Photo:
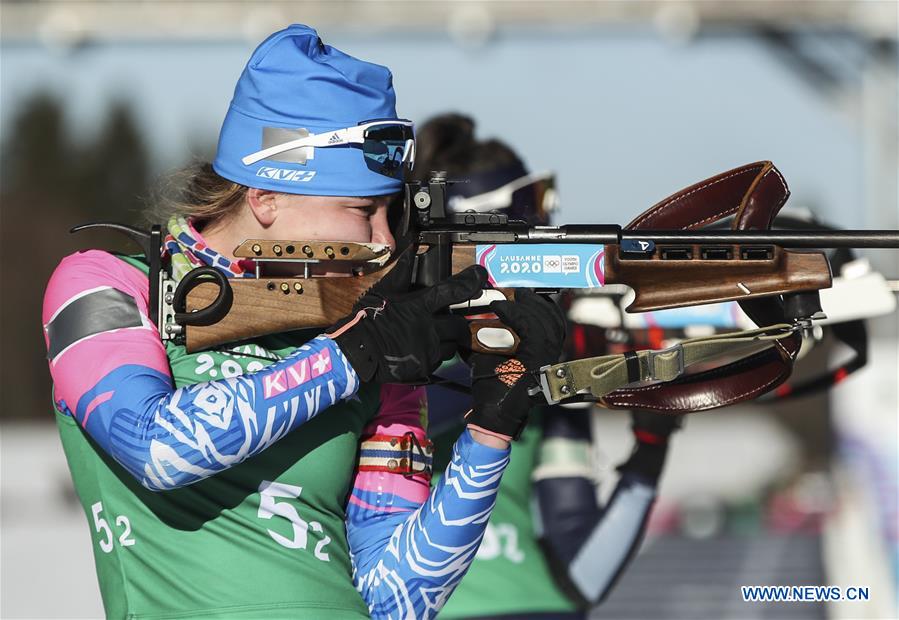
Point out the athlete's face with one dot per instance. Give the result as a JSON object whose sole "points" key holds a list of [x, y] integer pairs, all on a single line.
{"points": [[290, 217], [330, 218]]}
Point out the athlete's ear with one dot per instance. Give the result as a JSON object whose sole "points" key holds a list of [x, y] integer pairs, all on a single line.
{"points": [[263, 205]]}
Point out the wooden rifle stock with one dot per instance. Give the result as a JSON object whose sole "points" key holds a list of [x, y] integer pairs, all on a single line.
{"points": [[273, 305], [660, 284], [663, 283]]}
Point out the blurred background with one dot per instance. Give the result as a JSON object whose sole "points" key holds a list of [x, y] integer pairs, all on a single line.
{"points": [[628, 102]]}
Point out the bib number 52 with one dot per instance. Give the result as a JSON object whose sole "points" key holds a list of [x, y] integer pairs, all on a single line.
{"points": [[269, 507], [102, 527]]}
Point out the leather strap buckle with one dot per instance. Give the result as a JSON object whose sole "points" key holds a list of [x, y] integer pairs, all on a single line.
{"points": [[413, 449]]}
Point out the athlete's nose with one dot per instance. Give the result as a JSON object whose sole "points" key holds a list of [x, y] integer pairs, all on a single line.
{"points": [[383, 235]]}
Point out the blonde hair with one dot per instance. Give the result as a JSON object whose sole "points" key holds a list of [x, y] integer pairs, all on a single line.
{"points": [[199, 193]]}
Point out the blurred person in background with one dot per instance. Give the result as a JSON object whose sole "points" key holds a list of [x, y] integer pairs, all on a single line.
{"points": [[204, 495], [566, 558]]}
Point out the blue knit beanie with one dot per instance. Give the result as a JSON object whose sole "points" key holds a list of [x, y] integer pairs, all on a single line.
{"points": [[293, 84]]}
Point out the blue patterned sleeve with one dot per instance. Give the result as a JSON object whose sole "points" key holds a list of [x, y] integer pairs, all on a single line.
{"points": [[408, 558], [168, 438]]}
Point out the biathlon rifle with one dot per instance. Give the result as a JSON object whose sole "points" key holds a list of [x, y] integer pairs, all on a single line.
{"points": [[599, 322], [668, 256]]}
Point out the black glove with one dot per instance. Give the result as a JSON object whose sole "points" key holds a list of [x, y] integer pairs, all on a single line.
{"points": [[399, 337], [651, 433], [499, 385]]}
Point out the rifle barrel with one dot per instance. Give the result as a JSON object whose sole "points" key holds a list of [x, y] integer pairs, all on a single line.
{"points": [[610, 234], [783, 238]]}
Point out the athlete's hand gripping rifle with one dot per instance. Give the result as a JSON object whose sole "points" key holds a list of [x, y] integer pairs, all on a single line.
{"points": [[666, 256]]}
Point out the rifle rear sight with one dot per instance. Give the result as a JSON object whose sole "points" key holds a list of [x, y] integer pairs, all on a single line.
{"points": [[429, 203]]}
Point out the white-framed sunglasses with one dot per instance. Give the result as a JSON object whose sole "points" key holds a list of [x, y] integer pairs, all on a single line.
{"points": [[387, 144], [546, 197]]}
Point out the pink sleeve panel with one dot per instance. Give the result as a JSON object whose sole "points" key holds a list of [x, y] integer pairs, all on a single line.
{"points": [[80, 366]]}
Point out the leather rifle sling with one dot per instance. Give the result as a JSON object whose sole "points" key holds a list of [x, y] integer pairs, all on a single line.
{"points": [[753, 194]]}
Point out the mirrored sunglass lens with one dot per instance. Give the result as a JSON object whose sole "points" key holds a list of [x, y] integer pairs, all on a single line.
{"points": [[384, 149]]}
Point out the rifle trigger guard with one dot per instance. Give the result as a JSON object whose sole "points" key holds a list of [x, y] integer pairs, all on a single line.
{"points": [[214, 312]]}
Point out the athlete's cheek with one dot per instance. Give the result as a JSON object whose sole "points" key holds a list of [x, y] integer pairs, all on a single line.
{"points": [[352, 228]]}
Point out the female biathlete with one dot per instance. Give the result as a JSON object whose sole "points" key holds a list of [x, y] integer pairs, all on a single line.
{"points": [[255, 480]]}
